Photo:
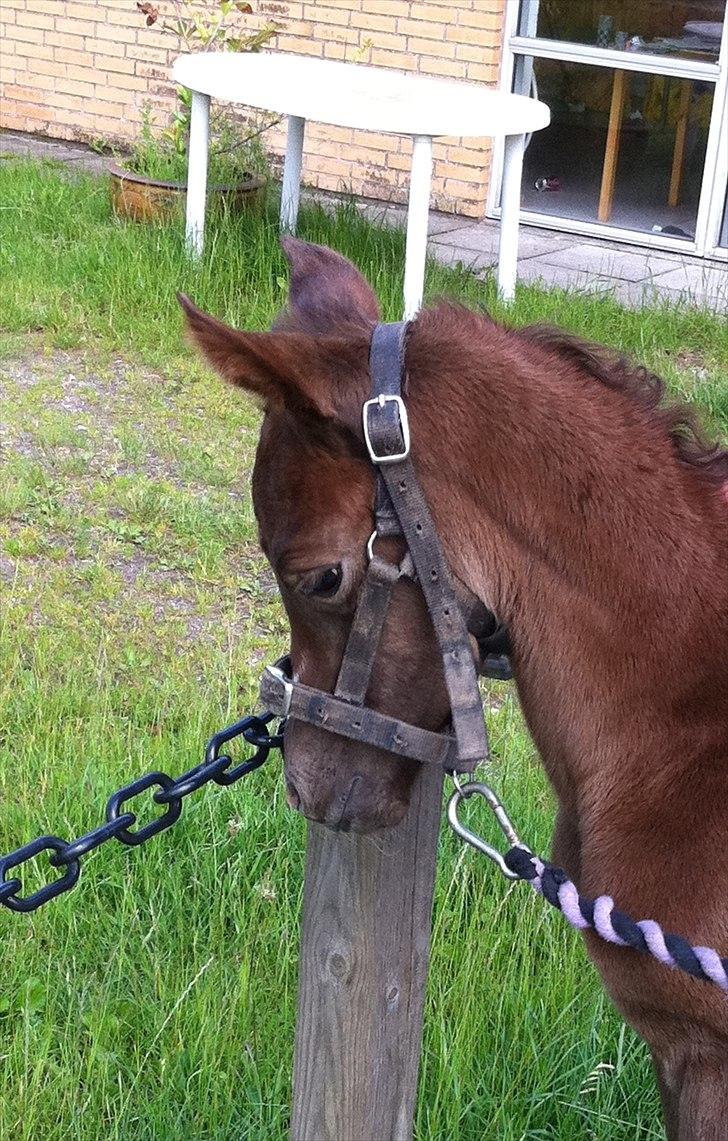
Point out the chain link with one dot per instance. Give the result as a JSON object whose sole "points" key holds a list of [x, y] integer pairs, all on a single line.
{"points": [[66, 857]]}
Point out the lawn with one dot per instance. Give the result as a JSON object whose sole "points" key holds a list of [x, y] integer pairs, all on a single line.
{"points": [[157, 1000]]}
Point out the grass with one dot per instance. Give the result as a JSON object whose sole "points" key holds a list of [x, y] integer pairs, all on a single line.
{"points": [[156, 1001]]}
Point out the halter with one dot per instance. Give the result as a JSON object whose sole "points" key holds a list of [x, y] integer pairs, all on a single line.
{"points": [[400, 510]]}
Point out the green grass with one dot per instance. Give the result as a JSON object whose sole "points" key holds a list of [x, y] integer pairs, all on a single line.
{"points": [[156, 1001]]}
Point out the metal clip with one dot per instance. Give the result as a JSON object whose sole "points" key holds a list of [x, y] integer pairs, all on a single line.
{"points": [[276, 674], [476, 788]]}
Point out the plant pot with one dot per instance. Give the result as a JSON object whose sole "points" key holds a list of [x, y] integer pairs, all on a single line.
{"points": [[143, 199]]}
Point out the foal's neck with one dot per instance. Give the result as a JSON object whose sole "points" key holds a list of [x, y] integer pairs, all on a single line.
{"points": [[561, 502]]}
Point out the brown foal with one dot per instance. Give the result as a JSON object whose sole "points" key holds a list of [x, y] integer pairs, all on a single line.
{"points": [[593, 522]]}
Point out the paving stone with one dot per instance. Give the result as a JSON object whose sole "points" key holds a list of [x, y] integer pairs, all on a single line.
{"points": [[636, 265], [641, 294], [634, 294], [483, 237], [56, 149], [11, 145], [35, 148], [697, 280], [455, 255], [538, 243], [447, 223], [561, 277], [394, 214]]}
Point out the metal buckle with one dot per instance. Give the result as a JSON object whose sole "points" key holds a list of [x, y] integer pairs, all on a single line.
{"points": [[380, 401], [283, 680]]}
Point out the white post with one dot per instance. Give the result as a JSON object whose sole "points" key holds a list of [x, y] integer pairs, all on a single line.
{"points": [[510, 211], [197, 172], [291, 189], [418, 213]]}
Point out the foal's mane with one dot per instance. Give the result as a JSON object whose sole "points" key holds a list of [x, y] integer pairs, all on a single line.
{"points": [[677, 419]]}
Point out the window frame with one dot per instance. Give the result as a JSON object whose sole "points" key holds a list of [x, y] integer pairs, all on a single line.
{"points": [[714, 187]]}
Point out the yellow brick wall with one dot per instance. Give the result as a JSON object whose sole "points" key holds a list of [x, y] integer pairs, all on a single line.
{"points": [[82, 69]]}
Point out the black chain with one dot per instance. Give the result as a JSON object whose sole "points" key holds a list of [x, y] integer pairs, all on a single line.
{"points": [[118, 826]]}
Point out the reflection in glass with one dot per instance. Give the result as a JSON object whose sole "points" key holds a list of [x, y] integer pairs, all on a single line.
{"points": [[688, 29], [623, 148]]}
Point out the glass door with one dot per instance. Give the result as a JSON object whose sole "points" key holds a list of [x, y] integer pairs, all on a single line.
{"points": [[637, 91]]}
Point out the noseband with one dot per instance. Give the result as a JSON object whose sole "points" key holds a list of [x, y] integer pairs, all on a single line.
{"points": [[400, 511]]}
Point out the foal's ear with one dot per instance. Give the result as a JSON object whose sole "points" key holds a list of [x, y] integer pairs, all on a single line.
{"points": [[325, 289], [291, 369]]}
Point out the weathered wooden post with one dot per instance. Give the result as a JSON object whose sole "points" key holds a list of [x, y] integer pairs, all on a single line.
{"points": [[365, 949]]}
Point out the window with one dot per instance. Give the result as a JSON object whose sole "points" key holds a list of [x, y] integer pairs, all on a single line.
{"points": [[690, 29], [637, 90]]}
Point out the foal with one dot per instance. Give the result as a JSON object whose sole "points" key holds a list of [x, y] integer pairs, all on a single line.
{"points": [[593, 523]]}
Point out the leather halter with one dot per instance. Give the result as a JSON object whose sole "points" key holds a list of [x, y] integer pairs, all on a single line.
{"points": [[400, 510]]}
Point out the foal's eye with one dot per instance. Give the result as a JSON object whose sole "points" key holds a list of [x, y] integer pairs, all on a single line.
{"points": [[328, 582]]}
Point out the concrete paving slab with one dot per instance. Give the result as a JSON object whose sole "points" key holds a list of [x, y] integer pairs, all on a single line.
{"points": [[593, 257], [447, 223], [633, 294], [392, 214], [538, 270], [480, 238], [32, 147], [641, 294], [696, 279], [483, 237], [455, 255], [395, 215], [72, 154], [538, 243], [13, 145]]}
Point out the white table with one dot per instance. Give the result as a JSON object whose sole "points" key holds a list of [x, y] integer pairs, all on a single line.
{"points": [[372, 99]]}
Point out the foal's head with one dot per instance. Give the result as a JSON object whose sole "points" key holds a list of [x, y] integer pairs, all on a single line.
{"points": [[313, 493]]}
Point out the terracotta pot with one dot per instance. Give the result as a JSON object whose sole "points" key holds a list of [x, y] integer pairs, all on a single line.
{"points": [[147, 199]]}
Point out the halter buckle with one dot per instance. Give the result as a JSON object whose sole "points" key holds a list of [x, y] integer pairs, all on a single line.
{"points": [[379, 402]]}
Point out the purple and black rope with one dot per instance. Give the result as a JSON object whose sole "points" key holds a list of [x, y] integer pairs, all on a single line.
{"points": [[600, 915]]}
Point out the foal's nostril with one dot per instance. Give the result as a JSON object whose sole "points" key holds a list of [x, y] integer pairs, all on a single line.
{"points": [[292, 795]]}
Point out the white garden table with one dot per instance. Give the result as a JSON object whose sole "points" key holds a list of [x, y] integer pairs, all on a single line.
{"points": [[372, 99]]}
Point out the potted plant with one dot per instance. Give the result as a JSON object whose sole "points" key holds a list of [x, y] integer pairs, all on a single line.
{"points": [[150, 180]]}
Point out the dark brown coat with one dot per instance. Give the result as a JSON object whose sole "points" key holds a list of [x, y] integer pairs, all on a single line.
{"points": [[594, 523]]}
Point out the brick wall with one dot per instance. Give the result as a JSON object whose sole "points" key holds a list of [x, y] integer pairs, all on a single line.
{"points": [[82, 69]]}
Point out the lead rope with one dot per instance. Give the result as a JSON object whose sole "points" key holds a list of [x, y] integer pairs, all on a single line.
{"points": [[598, 915]]}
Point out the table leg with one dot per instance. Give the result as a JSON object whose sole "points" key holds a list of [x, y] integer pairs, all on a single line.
{"points": [[197, 172], [510, 214], [678, 155], [291, 189], [611, 152], [418, 214]]}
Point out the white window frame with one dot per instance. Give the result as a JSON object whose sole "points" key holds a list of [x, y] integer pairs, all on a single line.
{"points": [[713, 191]]}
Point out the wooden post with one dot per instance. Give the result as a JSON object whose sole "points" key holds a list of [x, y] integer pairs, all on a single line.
{"points": [[365, 948], [678, 155], [611, 151]]}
